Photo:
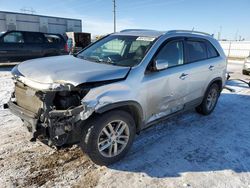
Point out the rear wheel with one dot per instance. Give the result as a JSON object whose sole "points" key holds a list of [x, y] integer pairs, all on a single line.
{"points": [[210, 100], [107, 137]]}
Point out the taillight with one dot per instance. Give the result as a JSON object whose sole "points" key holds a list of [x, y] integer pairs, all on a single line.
{"points": [[66, 49]]}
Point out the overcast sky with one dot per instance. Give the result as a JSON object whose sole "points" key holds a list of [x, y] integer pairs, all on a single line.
{"points": [[228, 16]]}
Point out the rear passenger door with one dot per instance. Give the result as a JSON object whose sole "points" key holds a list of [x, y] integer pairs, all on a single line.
{"points": [[35, 44], [198, 57], [55, 45]]}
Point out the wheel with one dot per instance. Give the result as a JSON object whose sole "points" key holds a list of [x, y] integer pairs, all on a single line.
{"points": [[107, 137], [210, 100], [244, 72]]}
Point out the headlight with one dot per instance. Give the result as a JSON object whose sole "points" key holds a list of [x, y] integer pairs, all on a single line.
{"points": [[44, 86]]}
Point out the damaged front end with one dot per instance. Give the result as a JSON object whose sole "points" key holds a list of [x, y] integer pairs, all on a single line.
{"points": [[54, 115]]}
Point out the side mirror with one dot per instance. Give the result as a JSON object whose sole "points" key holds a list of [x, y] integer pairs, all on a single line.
{"points": [[160, 64]]}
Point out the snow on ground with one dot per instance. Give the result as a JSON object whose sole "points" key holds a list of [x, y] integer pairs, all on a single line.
{"points": [[189, 150]]}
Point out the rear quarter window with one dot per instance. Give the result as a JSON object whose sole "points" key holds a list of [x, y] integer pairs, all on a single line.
{"points": [[212, 52], [53, 39]]}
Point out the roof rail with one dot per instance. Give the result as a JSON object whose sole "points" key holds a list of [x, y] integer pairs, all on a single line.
{"points": [[188, 31], [130, 30]]}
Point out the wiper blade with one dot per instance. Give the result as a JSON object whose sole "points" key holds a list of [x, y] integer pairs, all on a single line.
{"points": [[87, 58]]}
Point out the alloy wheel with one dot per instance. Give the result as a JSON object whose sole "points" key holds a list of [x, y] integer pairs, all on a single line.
{"points": [[113, 138]]}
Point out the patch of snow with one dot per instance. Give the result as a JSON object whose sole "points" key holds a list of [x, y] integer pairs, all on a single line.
{"points": [[189, 150]]}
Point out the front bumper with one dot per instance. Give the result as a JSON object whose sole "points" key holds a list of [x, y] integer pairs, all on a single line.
{"points": [[30, 119], [70, 119]]}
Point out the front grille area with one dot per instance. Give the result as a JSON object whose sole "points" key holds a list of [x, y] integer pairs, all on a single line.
{"points": [[26, 98]]}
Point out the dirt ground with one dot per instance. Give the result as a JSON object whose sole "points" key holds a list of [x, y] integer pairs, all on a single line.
{"points": [[186, 151]]}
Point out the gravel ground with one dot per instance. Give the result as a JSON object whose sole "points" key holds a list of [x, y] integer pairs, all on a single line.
{"points": [[186, 151]]}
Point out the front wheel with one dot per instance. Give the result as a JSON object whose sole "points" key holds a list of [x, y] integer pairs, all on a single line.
{"points": [[210, 100], [107, 137]]}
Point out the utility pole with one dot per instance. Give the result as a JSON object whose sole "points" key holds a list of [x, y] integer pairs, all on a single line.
{"points": [[236, 35], [114, 11], [219, 33]]}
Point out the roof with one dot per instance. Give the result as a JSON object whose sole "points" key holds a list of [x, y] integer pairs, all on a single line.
{"points": [[154, 33], [141, 32], [38, 15]]}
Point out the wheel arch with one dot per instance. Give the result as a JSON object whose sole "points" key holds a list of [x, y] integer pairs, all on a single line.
{"points": [[217, 81], [132, 107]]}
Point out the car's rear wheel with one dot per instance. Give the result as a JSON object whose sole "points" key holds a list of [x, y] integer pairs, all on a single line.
{"points": [[210, 100], [107, 137]]}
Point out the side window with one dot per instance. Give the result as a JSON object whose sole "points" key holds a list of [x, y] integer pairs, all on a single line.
{"points": [[196, 51], [53, 38], [212, 52], [172, 52], [13, 37], [36, 38]]}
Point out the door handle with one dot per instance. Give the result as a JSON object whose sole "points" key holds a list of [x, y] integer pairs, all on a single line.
{"points": [[183, 76], [211, 67]]}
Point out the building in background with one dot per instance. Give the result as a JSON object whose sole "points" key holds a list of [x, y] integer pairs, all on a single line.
{"points": [[31, 22]]}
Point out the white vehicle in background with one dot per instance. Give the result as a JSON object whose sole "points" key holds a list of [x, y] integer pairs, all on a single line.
{"points": [[246, 66]]}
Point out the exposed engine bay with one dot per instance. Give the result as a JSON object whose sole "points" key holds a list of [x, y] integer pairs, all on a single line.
{"points": [[55, 114]]}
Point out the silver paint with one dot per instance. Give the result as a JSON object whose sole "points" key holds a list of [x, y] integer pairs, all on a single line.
{"points": [[158, 93]]}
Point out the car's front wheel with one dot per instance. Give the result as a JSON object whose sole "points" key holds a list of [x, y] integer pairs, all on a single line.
{"points": [[107, 137]]}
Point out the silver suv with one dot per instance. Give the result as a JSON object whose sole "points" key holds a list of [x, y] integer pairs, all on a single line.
{"points": [[101, 97]]}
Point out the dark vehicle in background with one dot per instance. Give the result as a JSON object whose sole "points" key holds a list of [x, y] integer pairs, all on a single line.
{"points": [[77, 41], [24, 45]]}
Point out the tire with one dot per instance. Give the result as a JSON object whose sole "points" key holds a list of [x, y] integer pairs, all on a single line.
{"points": [[95, 137], [212, 94], [244, 72]]}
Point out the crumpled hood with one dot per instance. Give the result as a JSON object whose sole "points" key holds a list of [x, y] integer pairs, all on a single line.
{"points": [[69, 69]]}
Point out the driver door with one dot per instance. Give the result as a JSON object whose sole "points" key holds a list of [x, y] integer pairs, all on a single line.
{"points": [[166, 89]]}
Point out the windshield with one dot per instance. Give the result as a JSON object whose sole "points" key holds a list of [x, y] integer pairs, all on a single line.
{"points": [[118, 50]]}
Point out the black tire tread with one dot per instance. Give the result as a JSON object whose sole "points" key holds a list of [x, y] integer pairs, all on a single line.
{"points": [[92, 129], [202, 108]]}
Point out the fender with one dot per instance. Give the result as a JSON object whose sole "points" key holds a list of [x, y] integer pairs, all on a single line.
{"points": [[216, 80], [131, 104]]}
